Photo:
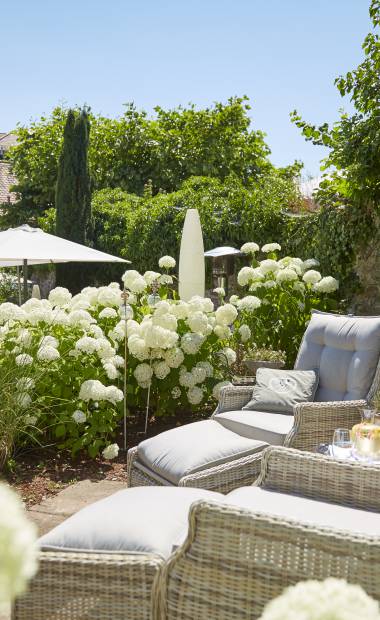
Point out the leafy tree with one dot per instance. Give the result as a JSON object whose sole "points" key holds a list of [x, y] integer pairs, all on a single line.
{"points": [[73, 195], [130, 151], [354, 141]]}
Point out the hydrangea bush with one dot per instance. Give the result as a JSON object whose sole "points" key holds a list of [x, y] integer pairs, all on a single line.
{"points": [[280, 295], [70, 350]]}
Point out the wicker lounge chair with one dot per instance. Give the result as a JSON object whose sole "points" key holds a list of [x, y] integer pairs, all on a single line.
{"points": [[224, 452], [237, 558]]}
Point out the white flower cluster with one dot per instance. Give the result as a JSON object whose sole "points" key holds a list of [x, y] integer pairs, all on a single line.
{"points": [[18, 550], [93, 389], [111, 451], [322, 600]]}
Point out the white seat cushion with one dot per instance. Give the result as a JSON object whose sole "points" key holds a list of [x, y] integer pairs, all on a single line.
{"points": [[194, 447], [141, 519], [346, 351], [306, 510], [261, 425]]}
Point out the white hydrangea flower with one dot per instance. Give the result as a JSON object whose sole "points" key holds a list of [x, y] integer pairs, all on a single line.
{"points": [[25, 383], [270, 247], [195, 395], [207, 367], [49, 340], [108, 296], [48, 354], [157, 337], [108, 313], [166, 262], [167, 321], [176, 392], [104, 349], [24, 359], [174, 357], [311, 276], [226, 314], [186, 379], [249, 303], [92, 389], [286, 275], [23, 400], [180, 310], [219, 290], [245, 276], [166, 279], [309, 263], [18, 549], [60, 317], [191, 343], [87, 344], [24, 337], [320, 600], [269, 266], [270, 284], [223, 332], [9, 311], [198, 322], [110, 370], [328, 284], [151, 276], [218, 387], [81, 318], [79, 416], [143, 373], [249, 248], [118, 361], [138, 348], [91, 294], [234, 299], [199, 374], [112, 394], [245, 332], [138, 285], [228, 355], [299, 287], [59, 296], [129, 276], [41, 315], [111, 451], [255, 285], [161, 369]]}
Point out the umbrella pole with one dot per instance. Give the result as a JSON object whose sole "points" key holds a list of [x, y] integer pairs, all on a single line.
{"points": [[25, 277], [19, 285]]}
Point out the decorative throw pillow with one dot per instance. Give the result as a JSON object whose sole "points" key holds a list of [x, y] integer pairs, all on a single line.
{"points": [[278, 391]]}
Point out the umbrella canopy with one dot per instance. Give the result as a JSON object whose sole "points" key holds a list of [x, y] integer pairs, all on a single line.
{"points": [[38, 247], [223, 251]]}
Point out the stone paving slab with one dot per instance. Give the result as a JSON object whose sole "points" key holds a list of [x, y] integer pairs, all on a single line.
{"points": [[53, 510]]}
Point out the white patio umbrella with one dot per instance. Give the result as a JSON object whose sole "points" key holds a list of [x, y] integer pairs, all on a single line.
{"points": [[25, 246], [191, 269]]}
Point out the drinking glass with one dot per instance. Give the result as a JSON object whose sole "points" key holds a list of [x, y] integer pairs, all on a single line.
{"points": [[342, 443], [368, 416]]}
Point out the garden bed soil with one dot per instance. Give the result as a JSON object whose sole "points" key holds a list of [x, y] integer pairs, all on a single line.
{"points": [[40, 473]]}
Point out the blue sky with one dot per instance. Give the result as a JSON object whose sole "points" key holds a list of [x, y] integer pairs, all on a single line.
{"points": [[283, 54]]}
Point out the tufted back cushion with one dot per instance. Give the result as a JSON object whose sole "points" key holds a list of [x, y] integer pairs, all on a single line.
{"points": [[345, 350]]}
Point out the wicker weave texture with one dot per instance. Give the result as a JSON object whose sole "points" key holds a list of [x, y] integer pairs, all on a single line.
{"points": [[235, 561], [80, 586], [321, 477]]}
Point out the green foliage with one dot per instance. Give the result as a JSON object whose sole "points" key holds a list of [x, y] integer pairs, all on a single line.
{"points": [[143, 229], [73, 194], [130, 151]]}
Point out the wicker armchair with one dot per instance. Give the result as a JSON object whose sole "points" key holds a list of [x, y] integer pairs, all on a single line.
{"points": [[345, 348], [234, 561]]}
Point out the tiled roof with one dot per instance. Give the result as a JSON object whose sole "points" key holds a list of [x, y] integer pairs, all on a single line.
{"points": [[7, 178], [7, 140]]}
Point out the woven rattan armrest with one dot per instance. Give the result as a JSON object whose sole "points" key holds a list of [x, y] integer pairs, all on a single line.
{"points": [[234, 561], [321, 477], [315, 422], [91, 585], [233, 398]]}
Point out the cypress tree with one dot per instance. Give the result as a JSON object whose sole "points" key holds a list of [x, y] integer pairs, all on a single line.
{"points": [[73, 195]]}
